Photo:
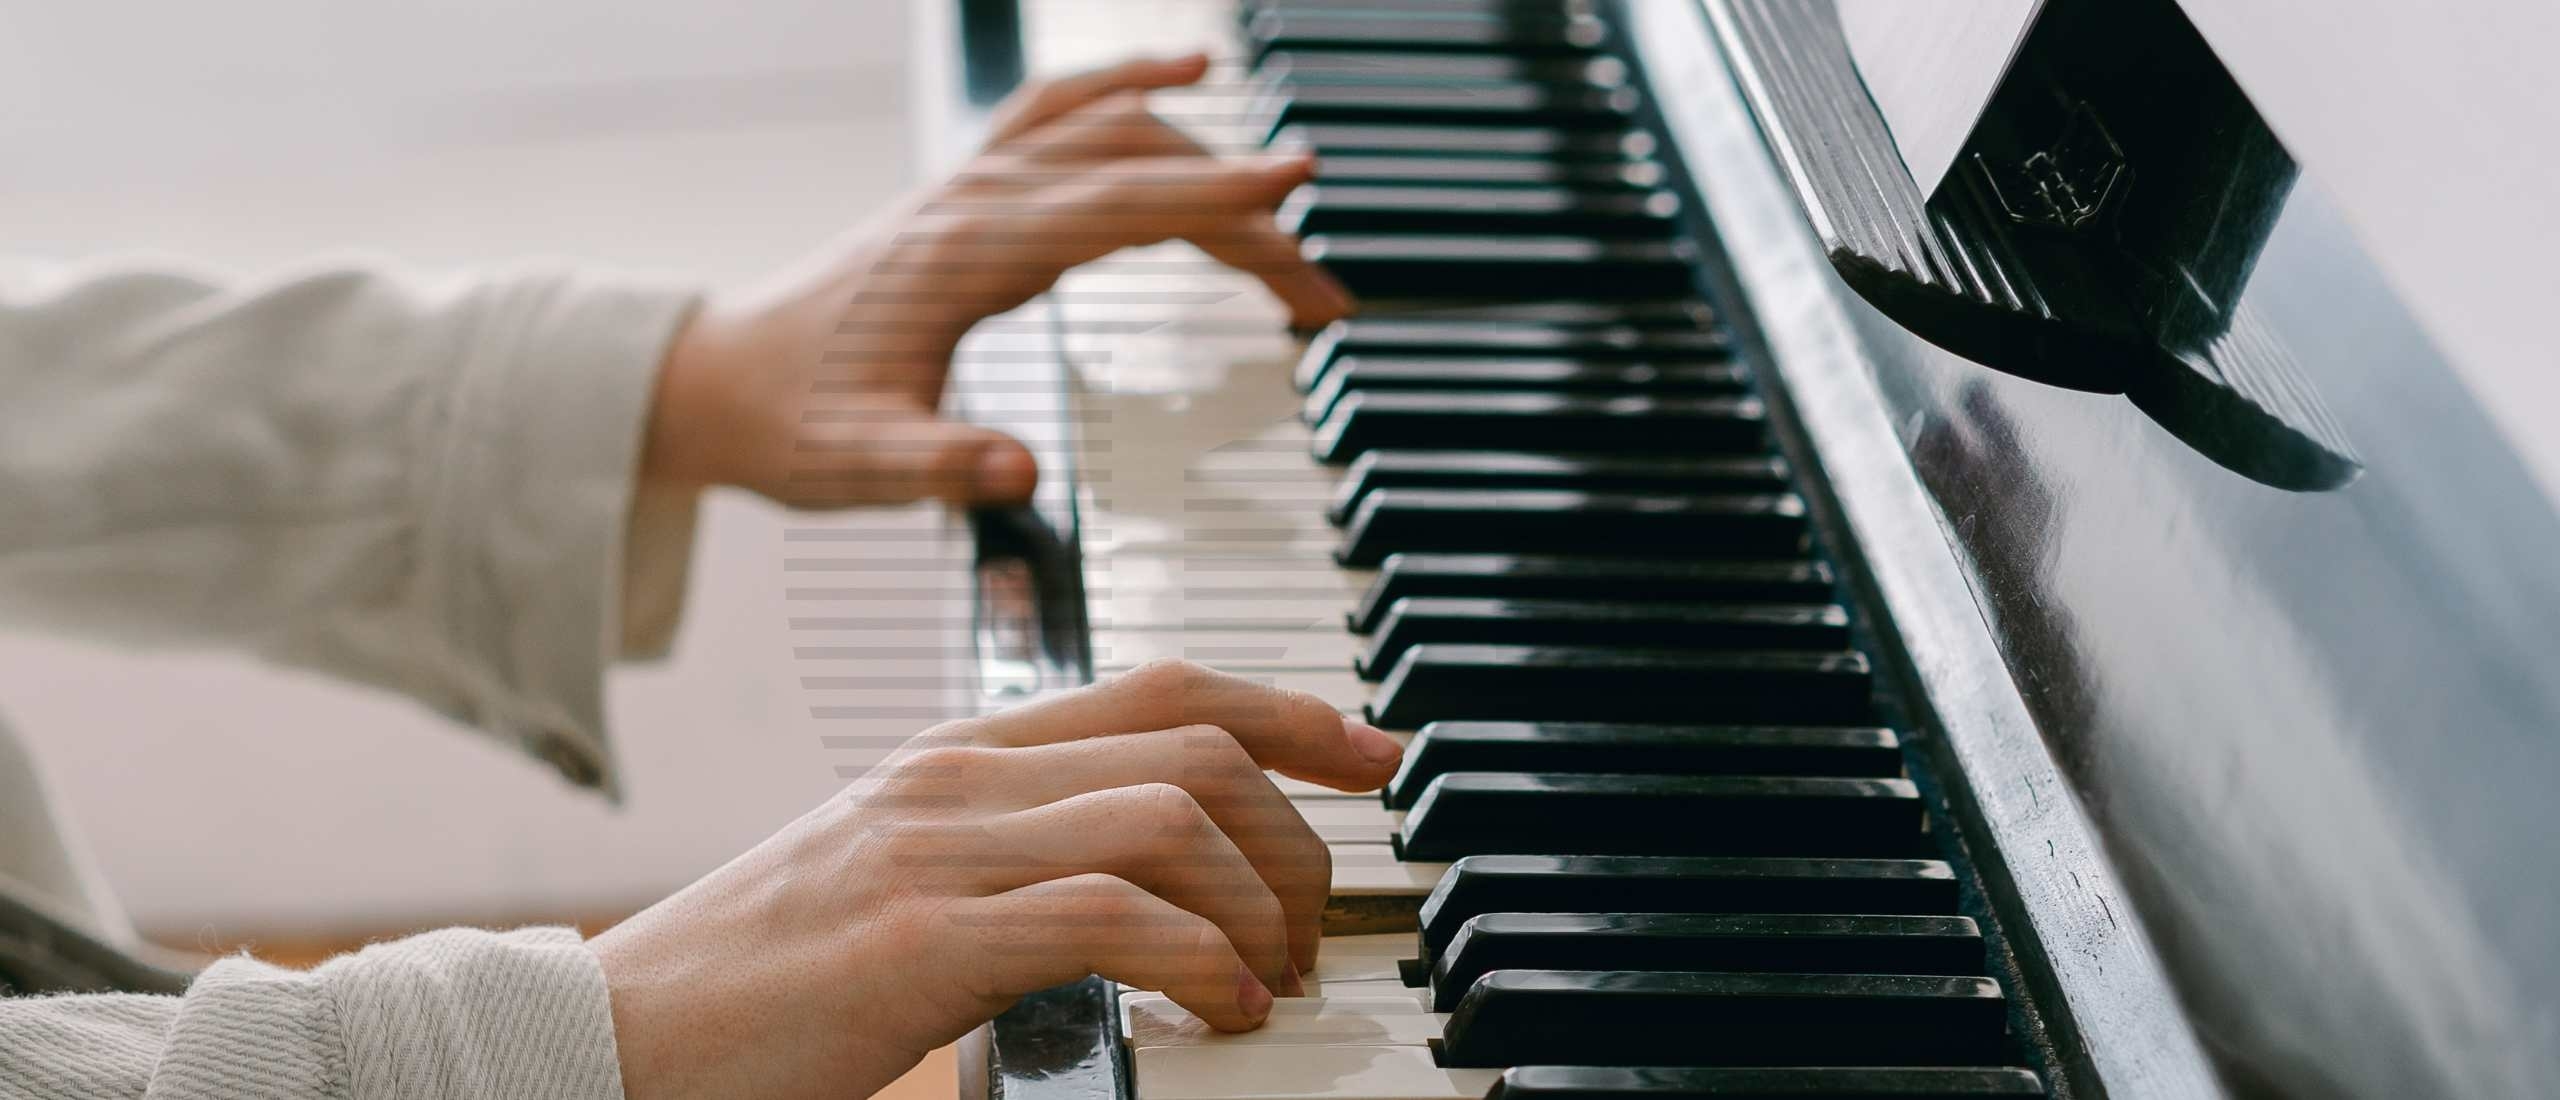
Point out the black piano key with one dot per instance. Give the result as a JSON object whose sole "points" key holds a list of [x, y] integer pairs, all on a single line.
{"points": [[1417, 140], [1393, 469], [1444, 747], [1478, 885], [1575, 376], [1652, 624], [1369, 67], [1727, 942], [1759, 1083], [1545, 521], [1354, 208], [1449, 683], [1568, 813], [1491, 421], [1660, 336], [1407, 265], [1519, 34], [1403, 576], [1637, 1018], [1631, 315], [1514, 103], [1488, 172]]}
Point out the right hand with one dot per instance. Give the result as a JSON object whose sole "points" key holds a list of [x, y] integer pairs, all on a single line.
{"points": [[1126, 830]]}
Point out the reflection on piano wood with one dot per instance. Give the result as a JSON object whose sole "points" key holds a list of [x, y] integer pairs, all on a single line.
{"points": [[1658, 832]]}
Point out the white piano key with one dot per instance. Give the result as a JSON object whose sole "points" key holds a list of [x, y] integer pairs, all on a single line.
{"points": [[1342, 822], [1302, 1073], [1153, 1020], [1370, 987], [1233, 650], [1364, 958], [1299, 790], [1372, 870]]}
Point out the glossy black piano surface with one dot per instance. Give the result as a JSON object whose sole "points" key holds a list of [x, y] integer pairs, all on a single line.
{"points": [[2311, 728]]}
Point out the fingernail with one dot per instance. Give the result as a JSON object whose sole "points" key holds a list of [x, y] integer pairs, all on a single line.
{"points": [[1251, 996], [1372, 742]]}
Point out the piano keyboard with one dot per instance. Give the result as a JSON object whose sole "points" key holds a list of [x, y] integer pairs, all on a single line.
{"points": [[1653, 835]]}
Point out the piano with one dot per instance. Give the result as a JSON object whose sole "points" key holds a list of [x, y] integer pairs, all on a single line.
{"points": [[2063, 631]]}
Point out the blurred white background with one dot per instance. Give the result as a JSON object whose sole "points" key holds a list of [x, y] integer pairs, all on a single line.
{"points": [[709, 140]]}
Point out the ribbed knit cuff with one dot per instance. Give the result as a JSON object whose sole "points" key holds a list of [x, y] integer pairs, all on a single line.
{"points": [[463, 1014]]}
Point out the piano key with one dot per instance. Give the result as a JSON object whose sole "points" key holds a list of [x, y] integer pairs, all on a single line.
{"points": [[1441, 683], [1508, 33], [1299, 790], [1479, 885], [1364, 420], [1632, 1018], [1372, 373], [1369, 989], [1247, 9], [1661, 625], [1725, 942], [1438, 69], [1395, 469], [1547, 521], [1682, 1082], [1375, 871], [1489, 171], [1413, 140], [1323, 647], [1376, 265], [1559, 813], [1153, 1020], [1347, 822], [1439, 318], [1403, 576], [1274, 1072], [1644, 339], [1507, 103], [1362, 958], [1444, 747], [1355, 208]]}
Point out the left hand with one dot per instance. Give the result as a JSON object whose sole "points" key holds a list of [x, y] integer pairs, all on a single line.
{"points": [[822, 389]]}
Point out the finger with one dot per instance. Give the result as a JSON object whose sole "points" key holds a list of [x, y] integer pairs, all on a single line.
{"points": [[890, 454], [1038, 103], [1258, 248], [1219, 779], [983, 253], [1055, 932], [1117, 126], [1160, 837], [1291, 732]]}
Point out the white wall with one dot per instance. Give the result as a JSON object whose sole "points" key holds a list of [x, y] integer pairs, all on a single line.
{"points": [[713, 139]]}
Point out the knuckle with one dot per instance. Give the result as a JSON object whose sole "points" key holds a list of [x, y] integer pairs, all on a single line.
{"points": [[1168, 810], [1162, 678], [948, 765]]}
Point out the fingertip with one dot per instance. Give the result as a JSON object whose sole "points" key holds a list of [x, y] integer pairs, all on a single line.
{"points": [[1372, 743], [1006, 472], [1253, 998]]}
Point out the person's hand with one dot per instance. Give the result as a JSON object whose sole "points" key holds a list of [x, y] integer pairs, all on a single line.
{"points": [[822, 389], [1125, 830]]}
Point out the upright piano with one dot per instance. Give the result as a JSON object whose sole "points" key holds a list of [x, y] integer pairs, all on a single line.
{"points": [[2065, 629]]}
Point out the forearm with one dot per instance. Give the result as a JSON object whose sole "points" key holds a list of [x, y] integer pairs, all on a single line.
{"points": [[452, 1015]]}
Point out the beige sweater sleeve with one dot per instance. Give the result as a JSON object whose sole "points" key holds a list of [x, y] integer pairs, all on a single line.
{"points": [[452, 1015], [425, 488]]}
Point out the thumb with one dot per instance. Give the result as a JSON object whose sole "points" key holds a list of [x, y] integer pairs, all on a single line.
{"points": [[903, 456]]}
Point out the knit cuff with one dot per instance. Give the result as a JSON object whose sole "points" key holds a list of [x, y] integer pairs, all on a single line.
{"points": [[463, 1014]]}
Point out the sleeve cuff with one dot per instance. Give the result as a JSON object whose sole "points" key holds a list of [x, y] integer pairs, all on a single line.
{"points": [[463, 1014], [537, 542]]}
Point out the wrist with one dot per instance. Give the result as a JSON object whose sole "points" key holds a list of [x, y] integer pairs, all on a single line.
{"points": [[695, 408]]}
